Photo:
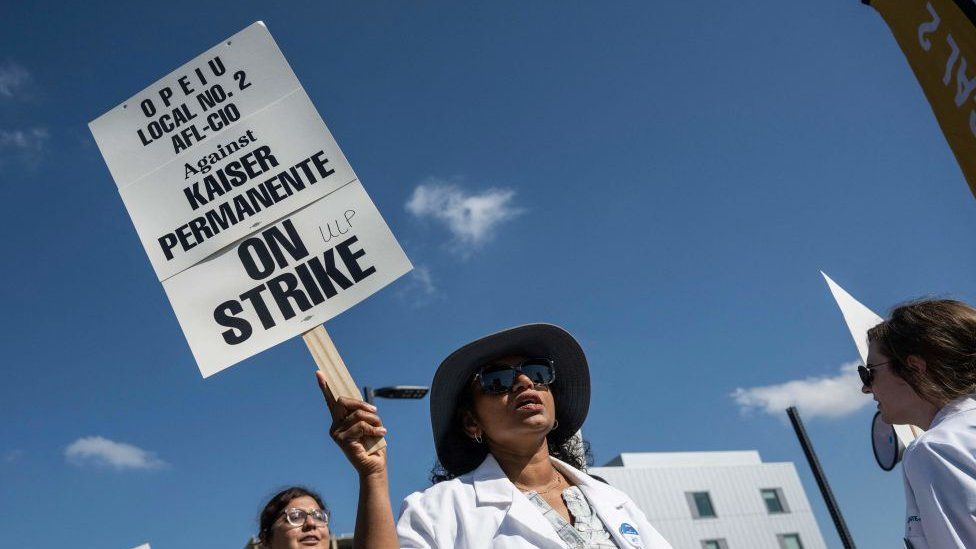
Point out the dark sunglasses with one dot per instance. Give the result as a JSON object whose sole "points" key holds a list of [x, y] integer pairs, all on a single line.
{"points": [[497, 379], [867, 372]]}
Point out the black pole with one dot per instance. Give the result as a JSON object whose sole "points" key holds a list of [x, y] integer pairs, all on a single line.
{"points": [[801, 433], [368, 395]]}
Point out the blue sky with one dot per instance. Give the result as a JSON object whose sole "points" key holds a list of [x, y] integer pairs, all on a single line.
{"points": [[664, 179]]}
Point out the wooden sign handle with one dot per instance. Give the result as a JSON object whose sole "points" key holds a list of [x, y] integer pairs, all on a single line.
{"points": [[340, 383]]}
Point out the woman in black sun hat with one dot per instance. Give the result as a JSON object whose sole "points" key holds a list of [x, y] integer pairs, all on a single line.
{"points": [[505, 410]]}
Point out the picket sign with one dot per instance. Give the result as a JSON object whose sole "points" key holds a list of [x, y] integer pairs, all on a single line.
{"points": [[254, 221], [340, 382]]}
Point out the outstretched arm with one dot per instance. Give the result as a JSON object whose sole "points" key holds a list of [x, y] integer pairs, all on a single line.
{"points": [[353, 421]]}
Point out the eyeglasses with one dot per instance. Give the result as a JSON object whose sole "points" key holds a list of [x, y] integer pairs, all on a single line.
{"points": [[497, 379], [297, 517], [867, 372]]}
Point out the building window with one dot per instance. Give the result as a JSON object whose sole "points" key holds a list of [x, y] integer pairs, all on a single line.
{"points": [[775, 502], [714, 544], [789, 541], [701, 505]]}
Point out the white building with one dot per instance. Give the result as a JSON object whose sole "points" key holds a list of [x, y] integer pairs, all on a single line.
{"points": [[717, 500]]}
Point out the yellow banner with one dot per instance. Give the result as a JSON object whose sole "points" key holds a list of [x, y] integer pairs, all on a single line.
{"points": [[939, 39]]}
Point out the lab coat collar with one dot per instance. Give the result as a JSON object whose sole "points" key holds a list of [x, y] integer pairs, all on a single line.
{"points": [[605, 500], [491, 486], [961, 404]]}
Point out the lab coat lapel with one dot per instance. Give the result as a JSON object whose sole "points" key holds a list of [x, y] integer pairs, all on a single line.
{"points": [[608, 503], [532, 525], [619, 523], [491, 486], [522, 518]]}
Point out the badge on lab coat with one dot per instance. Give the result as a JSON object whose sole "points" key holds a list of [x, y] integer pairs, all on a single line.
{"points": [[630, 534]]}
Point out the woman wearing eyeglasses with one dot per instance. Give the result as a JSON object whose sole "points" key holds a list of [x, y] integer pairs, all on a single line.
{"points": [[504, 412], [294, 518], [922, 371]]}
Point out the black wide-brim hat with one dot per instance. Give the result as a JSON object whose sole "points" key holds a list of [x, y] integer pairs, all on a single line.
{"points": [[458, 453]]}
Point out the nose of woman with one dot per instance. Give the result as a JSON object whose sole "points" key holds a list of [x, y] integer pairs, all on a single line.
{"points": [[522, 382]]}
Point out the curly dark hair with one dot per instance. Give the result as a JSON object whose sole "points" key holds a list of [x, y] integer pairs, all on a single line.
{"points": [[573, 451], [277, 504]]}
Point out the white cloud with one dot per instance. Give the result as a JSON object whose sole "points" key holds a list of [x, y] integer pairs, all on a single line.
{"points": [[101, 451], [826, 397], [28, 140], [425, 283], [14, 80], [26, 145], [12, 455], [419, 288], [472, 219]]}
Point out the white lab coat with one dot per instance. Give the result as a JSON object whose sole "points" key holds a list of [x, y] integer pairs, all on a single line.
{"points": [[484, 509], [940, 480]]}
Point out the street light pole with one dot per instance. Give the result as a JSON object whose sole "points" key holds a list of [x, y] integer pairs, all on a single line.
{"points": [[818, 474]]}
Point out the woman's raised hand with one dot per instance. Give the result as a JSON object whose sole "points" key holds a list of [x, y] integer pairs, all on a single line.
{"points": [[352, 422]]}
